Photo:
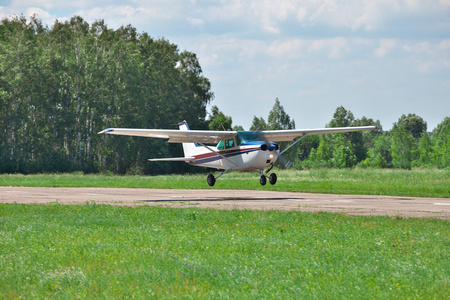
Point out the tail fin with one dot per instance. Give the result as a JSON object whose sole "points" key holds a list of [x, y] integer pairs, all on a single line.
{"points": [[188, 148]]}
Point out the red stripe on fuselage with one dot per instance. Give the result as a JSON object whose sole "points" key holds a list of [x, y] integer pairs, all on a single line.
{"points": [[223, 152]]}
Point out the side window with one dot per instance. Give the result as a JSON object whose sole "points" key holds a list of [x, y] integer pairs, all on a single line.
{"points": [[222, 145]]}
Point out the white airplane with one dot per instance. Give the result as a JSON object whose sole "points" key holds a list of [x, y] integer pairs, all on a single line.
{"points": [[235, 150]]}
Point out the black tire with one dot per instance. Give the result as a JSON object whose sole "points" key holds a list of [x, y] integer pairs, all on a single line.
{"points": [[273, 178], [262, 180], [211, 180]]}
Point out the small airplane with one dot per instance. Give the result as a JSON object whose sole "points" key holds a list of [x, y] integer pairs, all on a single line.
{"points": [[235, 150]]}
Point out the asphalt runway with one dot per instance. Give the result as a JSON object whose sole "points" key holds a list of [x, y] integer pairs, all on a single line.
{"points": [[234, 199]]}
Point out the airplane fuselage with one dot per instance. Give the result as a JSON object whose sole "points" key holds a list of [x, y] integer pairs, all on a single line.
{"points": [[243, 157]]}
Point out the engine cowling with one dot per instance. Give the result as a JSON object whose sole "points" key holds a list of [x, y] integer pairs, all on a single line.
{"points": [[270, 147]]}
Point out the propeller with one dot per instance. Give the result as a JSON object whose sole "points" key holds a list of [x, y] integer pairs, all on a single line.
{"points": [[284, 161]]}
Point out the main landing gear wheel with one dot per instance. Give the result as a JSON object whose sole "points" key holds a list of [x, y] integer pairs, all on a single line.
{"points": [[273, 178], [211, 180], [262, 180]]}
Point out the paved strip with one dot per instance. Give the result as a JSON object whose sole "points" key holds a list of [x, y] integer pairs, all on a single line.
{"points": [[234, 199]]}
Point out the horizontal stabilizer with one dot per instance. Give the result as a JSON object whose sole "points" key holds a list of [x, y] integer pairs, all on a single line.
{"points": [[173, 159]]}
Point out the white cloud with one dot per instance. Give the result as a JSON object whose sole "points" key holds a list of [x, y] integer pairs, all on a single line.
{"points": [[40, 12], [52, 4], [425, 67], [45, 16], [212, 59], [195, 21], [296, 49], [271, 13], [335, 47], [230, 10], [444, 46], [47, 4], [386, 46], [116, 16], [290, 49], [282, 50], [5, 12]]}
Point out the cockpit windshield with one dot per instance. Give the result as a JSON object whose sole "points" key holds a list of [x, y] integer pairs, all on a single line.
{"points": [[250, 136]]}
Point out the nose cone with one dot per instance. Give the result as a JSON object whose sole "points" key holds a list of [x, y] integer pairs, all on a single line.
{"points": [[273, 146], [270, 147]]}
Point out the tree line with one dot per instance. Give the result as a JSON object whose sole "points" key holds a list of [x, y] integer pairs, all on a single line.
{"points": [[60, 85], [406, 145]]}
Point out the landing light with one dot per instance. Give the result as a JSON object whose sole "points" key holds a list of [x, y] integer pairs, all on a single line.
{"points": [[271, 156]]}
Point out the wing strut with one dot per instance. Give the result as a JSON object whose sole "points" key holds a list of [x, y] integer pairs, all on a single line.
{"points": [[228, 169], [298, 140], [210, 149]]}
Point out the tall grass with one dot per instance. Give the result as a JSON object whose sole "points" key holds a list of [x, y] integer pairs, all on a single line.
{"points": [[97, 251], [422, 183]]}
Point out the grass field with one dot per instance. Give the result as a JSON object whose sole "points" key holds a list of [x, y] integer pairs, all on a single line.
{"points": [[420, 183], [100, 251]]}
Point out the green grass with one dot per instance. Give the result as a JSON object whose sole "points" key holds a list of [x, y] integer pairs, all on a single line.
{"points": [[421, 183], [100, 251]]}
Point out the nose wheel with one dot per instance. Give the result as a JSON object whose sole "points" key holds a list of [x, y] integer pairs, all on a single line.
{"points": [[262, 180], [273, 178]]}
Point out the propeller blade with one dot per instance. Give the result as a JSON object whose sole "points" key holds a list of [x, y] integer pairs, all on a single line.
{"points": [[287, 163]]}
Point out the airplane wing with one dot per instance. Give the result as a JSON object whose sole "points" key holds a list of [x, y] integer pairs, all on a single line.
{"points": [[175, 136], [290, 134], [212, 137]]}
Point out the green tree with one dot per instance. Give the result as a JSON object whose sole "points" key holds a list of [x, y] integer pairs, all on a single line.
{"points": [[441, 144], [318, 158], [424, 152], [341, 118], [413, 124], [403, 148], [218, 120], [343, 157], [258, 124], [369, 136], [380, 162], [345, 149], [351, 141], [306, 145], [380, 153], [278, 118]]}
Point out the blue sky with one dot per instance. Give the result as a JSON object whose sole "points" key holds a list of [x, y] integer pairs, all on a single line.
{"points": [[377, 58]]}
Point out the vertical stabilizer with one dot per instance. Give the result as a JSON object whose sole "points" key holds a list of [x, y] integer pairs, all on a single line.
{"points": [[190, 149]]}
